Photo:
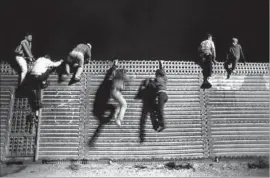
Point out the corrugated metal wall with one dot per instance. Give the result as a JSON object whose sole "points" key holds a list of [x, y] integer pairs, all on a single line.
{"points": [[21, 133], [238, 115], [62, 121], [230, 119], [6, 106], [184, 137]]}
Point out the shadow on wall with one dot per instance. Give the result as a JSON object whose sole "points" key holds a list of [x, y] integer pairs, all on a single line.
{"points": [[147, 94], [101, 105]]}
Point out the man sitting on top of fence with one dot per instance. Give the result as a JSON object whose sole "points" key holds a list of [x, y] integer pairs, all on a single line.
{"points": [[23, 54], [233, 55], [76, 59]]}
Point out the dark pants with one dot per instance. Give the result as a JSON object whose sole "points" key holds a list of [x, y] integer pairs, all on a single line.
{"points": [[162, 99], [148, 108], [38, 82], [207, 66], [228, 62], [99, 111]]}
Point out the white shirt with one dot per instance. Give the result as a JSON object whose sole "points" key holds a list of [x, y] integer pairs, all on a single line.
{"points": [[42, 64], [208, 47]]}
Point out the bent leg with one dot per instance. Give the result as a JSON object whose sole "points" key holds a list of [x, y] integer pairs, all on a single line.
{"points": [[80, 67], [23, 66], [117, 96]]}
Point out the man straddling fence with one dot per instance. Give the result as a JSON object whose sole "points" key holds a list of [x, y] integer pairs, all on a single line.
{"points": [[23, 54], [207, 54], [234, 53]]}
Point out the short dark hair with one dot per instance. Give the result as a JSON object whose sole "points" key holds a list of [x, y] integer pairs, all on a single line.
{"points": [[47, 56], [27, 34], [209, 35]]}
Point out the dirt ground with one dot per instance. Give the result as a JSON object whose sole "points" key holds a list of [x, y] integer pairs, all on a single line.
{"points": [[255, 167]]}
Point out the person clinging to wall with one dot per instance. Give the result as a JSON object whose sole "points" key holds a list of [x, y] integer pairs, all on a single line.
{"points": [[147, 93], [39, 74], [207, 54], [120, 79], [160, 82], [234, 53], [76, 60], [101, 103], [23, 54]]}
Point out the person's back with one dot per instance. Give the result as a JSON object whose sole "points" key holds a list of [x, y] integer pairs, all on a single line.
{"points": [[23, 47], [161, 80], [147, 92], [206, 47], [84, 49], [41, 65]]}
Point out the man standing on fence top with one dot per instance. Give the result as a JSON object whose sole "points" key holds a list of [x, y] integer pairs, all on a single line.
{"points": [[233, 55], [207, 54], [79, 56], [23, 52]]}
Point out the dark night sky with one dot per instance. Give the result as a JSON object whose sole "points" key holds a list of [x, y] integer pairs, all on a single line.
{"points": [[136, 29]]}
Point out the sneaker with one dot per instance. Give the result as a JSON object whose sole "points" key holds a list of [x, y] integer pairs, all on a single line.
{"points": [[229, 74], [37, 112], [155, 127], [76, 79], [45, 84], [206, 84], [160, 129], [118, 122]]}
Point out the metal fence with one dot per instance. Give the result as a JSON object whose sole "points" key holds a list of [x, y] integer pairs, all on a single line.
{"points": [[230, 119]]}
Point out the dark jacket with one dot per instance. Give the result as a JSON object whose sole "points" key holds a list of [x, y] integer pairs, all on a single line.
{"points": [[161, 80], [235, 52]]}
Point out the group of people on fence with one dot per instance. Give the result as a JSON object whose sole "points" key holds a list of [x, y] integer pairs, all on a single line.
{"points": [[152, 91]]}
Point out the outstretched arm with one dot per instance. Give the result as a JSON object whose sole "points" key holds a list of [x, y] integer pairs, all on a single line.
{"points": [[56, 64], [242, 55], [213, 50], [111, 70], [88, 55], [27, 50], [160, 62]]}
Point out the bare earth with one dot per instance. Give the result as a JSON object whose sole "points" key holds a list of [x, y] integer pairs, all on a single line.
{"points": [[254, 167]]}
